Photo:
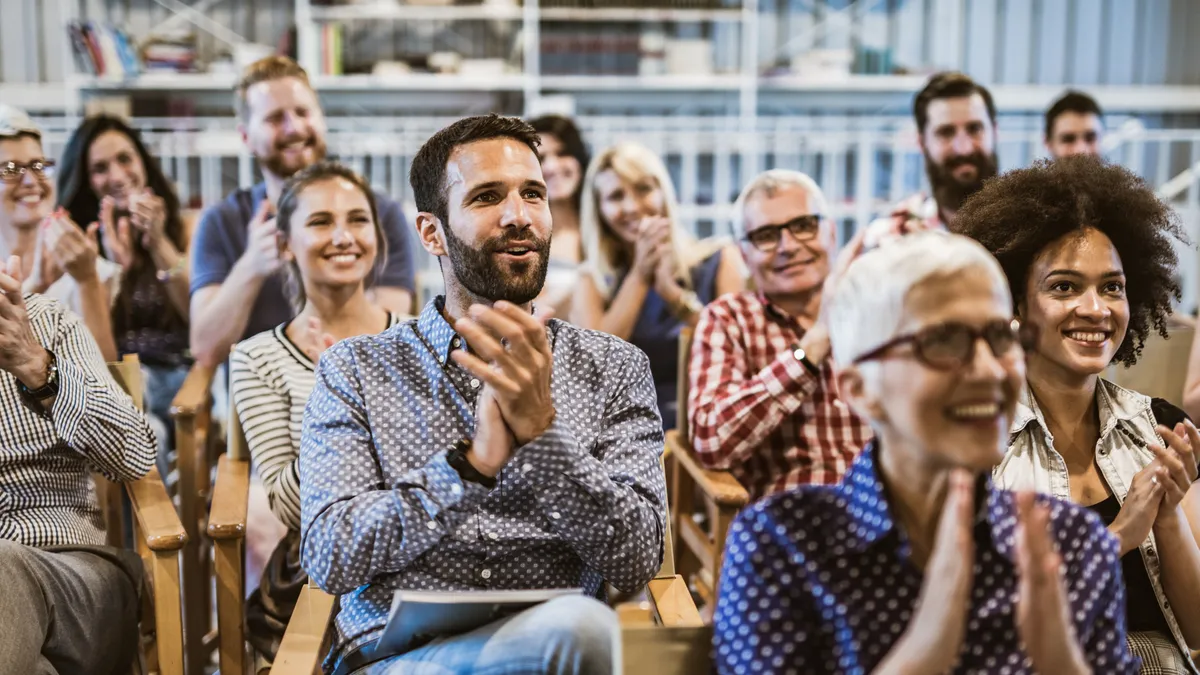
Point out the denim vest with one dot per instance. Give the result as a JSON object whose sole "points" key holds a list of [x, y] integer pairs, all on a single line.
{"points": [[1126, 427]]}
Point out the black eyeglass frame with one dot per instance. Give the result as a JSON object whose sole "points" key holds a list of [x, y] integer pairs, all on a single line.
{"points": [[802, 228]]}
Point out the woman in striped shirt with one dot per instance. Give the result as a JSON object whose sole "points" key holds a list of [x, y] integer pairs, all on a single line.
{"points": [[331, 241]]}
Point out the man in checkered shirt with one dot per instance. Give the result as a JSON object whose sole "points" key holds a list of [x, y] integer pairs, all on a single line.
{"points": [[761, 401], [69, 604]]}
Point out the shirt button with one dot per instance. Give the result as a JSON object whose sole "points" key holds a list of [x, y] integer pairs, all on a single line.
{"points": [[454, 343], [526, 468], [555, 515], [493, 536], [455, 489], [486, 574], [474, 383], [431, 525], [610, 530]]}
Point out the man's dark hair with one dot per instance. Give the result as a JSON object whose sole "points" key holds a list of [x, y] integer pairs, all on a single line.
{"points": [[949, 84], [1017, 215], [428, 172], [1072, 101]]}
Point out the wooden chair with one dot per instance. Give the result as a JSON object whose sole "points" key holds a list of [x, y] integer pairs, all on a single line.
{"points": [[1161, 372], [720, 497], [663, 636], [158, 537], [227, 529], [195, 436]]}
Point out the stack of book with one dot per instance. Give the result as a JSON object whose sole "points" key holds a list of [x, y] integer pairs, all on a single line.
{"points": [[171, 53], [103, 50]]}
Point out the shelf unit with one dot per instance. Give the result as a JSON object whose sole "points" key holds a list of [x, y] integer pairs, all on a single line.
{"points": [[743, 91]]}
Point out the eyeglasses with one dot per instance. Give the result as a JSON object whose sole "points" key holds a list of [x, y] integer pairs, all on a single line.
{"points": [[951, 345], [14, 172], [768, 237]]}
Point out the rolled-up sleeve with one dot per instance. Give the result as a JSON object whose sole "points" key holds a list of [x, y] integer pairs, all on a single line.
{"points": [[607, 502], [354, 527], [91, 413]]}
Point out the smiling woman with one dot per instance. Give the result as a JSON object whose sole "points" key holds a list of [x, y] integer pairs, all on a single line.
{"points": [[332, 242], [1088, 251]]}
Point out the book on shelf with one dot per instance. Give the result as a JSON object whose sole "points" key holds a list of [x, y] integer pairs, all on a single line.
{"points": [[103, 50], [417, 617], [332, 49]]}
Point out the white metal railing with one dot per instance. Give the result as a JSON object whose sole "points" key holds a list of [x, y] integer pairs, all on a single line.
{"points": [[864, 164]]}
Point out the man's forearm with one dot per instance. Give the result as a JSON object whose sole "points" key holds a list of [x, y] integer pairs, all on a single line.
{"points": [[222, 319]]}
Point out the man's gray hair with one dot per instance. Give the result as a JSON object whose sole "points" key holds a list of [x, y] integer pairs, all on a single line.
{"points": [[866, 308], [771, 181]]}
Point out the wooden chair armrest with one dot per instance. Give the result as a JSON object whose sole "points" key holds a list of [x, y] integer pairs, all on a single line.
{"points": [[194, 393], [155, 513], [303, 645], [231, 495], [673, 602], [721, 486]]}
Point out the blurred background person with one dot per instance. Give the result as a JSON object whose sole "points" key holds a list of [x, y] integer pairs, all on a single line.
{"points": [[564, 159], [1074, 126], [58, 258], [645, 276], [107, 176]]}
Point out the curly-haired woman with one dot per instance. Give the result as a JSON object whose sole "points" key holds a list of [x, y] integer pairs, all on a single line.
{"points": [[1088, 251]]}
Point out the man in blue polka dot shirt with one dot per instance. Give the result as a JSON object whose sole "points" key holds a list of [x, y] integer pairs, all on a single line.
{"points": [[916, 563], [479, 447]]}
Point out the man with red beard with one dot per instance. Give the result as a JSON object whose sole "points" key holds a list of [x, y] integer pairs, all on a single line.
{"points": [[956, 127], [235, 254]]}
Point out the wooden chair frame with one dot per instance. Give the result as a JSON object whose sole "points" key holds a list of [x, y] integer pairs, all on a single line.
{"points": [[159, 538], [227, 529], [663, 636], [693, 488], [194, 438]]}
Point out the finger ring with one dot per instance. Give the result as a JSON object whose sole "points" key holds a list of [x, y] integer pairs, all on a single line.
{"points": [[1154, 479]]}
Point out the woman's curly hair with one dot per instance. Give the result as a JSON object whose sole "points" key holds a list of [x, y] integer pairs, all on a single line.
{"points": [[1019, 214]]}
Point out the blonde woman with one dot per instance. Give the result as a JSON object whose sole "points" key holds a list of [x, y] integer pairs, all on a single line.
{"points": [[645, 277]]}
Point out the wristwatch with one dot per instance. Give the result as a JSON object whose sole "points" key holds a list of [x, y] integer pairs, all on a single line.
{"points": [[457, 459], [48, 390], [802, 357]]}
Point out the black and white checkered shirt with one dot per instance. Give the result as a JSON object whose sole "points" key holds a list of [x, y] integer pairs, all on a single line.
{"points": [[47, 495]]}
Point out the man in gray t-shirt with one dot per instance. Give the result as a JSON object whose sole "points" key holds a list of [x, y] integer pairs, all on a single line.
{"points": [[235, 290]]}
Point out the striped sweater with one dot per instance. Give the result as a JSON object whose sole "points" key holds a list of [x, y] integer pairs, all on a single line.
{"points": [[270, 380]]}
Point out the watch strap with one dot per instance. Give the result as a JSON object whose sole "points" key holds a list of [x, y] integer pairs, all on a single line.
{"points": [[47, 390], [457, 459]]}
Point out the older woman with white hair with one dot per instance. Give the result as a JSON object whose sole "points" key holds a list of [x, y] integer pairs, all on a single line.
{"points": [[916, 562], [645, 277]]}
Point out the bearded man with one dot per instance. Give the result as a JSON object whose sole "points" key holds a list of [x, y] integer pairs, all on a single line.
{"points": [[478, 446]]}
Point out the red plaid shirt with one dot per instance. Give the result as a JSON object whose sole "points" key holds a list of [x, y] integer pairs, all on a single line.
{"points": [[756, 411]]}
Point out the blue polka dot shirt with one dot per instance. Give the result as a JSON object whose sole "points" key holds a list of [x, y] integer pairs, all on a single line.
{"points": [[381, 509], [820, 579]]}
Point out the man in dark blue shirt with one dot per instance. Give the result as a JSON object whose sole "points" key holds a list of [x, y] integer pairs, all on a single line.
{"points": [[235, 254]]}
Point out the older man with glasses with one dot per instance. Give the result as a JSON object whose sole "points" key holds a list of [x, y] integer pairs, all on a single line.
{"points": [[761, 401]]}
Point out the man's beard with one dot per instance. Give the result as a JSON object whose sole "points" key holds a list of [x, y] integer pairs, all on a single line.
{"points": [[276, 164], [479, 271], [949, 191]]}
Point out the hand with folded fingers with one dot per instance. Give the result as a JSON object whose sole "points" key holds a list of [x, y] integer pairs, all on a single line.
{"points": [[509, 351], [70, 247], [20, 351], [935, 635], [148, 215], [1043, 608], [1180, 462]]}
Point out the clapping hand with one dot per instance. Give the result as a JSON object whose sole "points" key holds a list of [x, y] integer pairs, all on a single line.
{"points": [[510, 353], [1180, 461], [315, 340], [148, 214], [67, 246], [20, 351], [116, 234], [1043, 610]]}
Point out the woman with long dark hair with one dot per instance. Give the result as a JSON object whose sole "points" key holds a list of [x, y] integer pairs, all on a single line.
{"points": [[107, 176]]}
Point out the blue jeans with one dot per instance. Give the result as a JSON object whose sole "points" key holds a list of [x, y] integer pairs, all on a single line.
{"points": [[570, 635], [160, 386]]}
